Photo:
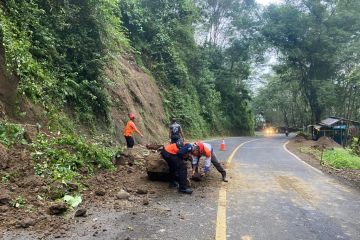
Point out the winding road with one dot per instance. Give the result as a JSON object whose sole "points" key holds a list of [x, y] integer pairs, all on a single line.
{"points": [[271, 195]]}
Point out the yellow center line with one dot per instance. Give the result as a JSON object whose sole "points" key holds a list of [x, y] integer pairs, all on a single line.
{"points": [[221, 212]]}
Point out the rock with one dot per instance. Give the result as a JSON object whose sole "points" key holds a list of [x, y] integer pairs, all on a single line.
{"points": [[119, 159], [4, 199], [57, 209], [146, 201], [156, 167], [154, 146], [27, 222], [99, 192], [141, 191], [72, 186], [123, 195], [80, 212], [4, 158]]}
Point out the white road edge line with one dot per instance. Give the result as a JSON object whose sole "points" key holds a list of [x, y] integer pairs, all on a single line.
{"points": [[305, 163]]}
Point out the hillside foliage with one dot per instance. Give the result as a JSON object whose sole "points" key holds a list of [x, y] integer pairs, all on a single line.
{"points": [[59, 49]]}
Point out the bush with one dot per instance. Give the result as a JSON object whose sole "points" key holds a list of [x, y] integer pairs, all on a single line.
{"points": [[62, 158]]}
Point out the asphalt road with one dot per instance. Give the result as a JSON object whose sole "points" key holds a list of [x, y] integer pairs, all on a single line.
{"points": [[271, 195]]}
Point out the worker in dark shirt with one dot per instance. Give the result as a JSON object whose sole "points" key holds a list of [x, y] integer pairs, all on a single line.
{"points": [[175, 132]]}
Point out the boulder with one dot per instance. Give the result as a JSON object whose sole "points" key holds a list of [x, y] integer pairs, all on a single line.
{"points": [[156, 167]]}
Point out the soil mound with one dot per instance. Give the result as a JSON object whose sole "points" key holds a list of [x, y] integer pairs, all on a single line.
{"points": [[325, 143], [300, 137]]}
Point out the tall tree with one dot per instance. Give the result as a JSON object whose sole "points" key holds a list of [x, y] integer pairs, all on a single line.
{"points": [[311, 36]]}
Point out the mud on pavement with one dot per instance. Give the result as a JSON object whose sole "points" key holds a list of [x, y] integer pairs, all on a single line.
{"points": [[123, 204]]}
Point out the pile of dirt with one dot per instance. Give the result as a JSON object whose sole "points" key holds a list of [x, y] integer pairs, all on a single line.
{"points": [[300, 137], [325, 143], [148, 158]]}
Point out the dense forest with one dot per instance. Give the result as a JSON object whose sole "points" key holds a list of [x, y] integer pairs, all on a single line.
{"points": [[201, 53], [318, 72]]}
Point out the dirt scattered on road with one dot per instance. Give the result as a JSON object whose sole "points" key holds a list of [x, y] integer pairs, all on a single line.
{"points": [[45, 218], [296, 185]]}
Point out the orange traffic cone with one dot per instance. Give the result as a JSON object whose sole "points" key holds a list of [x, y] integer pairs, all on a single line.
{"points": [[222, 146]]}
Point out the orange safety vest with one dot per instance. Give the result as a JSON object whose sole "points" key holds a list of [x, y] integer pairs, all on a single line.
{"points": [[129, 128], [172, 148]]}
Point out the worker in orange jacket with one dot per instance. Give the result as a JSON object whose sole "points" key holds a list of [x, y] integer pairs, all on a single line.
{"points": [[176, 154], [129, 129]]}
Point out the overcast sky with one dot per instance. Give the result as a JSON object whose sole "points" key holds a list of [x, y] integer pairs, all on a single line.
{"points": [[266, 2]]}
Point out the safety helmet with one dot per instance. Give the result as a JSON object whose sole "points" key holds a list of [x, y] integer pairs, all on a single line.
{"points": [[199, 146], [131, 116]]}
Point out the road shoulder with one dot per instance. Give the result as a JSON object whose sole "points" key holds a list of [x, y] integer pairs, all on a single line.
{"points": [[346, 176]]}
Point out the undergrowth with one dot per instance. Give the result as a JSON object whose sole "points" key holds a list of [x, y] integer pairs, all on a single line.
{"points": [[64, 158], [339, 158], [11, 134]]}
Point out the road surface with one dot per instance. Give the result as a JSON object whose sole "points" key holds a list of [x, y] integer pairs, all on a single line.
{"points": [[271, 195]]}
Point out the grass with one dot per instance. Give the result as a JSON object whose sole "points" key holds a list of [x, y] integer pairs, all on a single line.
{"points": [[341, 158]]}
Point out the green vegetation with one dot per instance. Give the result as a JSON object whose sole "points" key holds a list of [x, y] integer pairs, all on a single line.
{"points": [[317, 75], [61, 158], [11, 134], [58, 50], [18, 202], [338, 157], [72, 201], [204, 84], [342, 159]]}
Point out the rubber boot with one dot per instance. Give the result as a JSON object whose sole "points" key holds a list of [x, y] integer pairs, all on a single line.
{"points": [[224, 178], [185, 190]]}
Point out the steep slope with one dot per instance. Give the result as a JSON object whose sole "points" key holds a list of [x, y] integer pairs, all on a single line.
{"points": [[134, 91], [130, 89]]}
